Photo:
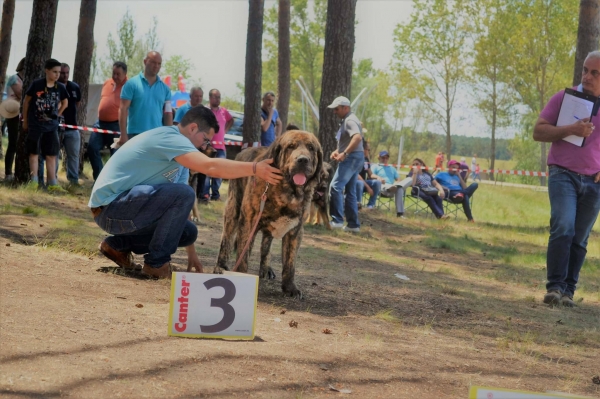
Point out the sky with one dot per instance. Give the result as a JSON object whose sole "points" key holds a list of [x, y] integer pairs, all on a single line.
{"points": [[212, 34]]}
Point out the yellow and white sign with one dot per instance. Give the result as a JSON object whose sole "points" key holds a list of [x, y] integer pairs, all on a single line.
{"points": [[499, 393], [213, 305]]}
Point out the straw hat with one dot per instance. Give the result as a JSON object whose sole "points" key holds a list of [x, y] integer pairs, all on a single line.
{"points": [[9, 108]]}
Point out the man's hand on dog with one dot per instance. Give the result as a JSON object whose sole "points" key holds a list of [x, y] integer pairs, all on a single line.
{"points": [[268, 173]]}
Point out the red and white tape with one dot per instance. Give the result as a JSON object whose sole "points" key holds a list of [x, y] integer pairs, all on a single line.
{"points": [[97, 130]]}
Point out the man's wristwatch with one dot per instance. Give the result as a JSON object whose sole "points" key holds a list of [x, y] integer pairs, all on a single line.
{"points": [[345, 153]]}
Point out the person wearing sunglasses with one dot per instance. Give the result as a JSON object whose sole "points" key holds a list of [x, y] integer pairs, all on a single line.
{"points": [[427, 188]]}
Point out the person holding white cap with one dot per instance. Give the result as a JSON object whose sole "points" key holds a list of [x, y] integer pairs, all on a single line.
{"points": [[9, 109], [350, 155]]}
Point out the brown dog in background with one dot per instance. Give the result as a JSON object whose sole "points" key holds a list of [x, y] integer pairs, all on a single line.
{"points": [[319, 209]]}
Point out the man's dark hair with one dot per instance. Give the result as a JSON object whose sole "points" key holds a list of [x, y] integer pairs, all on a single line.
{"points": [[291, 127], [65, 65], [121, 64], [51, 63], [203, 117]]}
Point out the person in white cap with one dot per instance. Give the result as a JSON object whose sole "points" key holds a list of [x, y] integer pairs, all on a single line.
{"points": [[10, 111], [350, 155]]}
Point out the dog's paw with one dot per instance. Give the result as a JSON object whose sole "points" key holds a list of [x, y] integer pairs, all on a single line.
{"points": [[219, 270], [269, 274], [291, 290]]}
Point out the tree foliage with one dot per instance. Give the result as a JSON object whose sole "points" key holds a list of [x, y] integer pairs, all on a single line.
{"points": [[433, 49]]}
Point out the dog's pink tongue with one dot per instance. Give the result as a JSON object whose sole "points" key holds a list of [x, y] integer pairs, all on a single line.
{"points": [[299, 179]]}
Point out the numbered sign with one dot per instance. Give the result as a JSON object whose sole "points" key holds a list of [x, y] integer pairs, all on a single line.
{"points": [[213, 305], [499, 393]]}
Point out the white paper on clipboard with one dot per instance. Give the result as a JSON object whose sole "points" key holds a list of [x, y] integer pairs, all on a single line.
{"points": [[574, 108]]}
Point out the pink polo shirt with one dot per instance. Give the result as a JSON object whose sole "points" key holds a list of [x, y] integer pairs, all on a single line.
{"points": [[584, 160], [223, 116]]}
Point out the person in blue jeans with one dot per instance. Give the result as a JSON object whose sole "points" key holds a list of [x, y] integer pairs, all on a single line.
{"points": [[350, 158], [108, 117], [573, 186], [367, 181], [142, 199], [457, 188]]}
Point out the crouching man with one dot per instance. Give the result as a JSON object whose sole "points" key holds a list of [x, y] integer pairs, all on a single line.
{"points": [[142, 198]]}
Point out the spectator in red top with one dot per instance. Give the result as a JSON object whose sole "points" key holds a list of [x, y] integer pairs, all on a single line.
{"points": [[225, 120], [108, 116]]}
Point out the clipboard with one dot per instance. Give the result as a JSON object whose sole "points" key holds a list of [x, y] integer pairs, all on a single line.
{"points": [[575, 106]]}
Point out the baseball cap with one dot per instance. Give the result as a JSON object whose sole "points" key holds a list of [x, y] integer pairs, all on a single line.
{"points": [[384, 153], [453, 162], [341, 100]]}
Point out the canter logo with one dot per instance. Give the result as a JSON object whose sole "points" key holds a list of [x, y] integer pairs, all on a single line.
{"points": [[183, 306]]}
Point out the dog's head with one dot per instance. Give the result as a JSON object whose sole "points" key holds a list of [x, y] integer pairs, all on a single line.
{"points": [[299, 156]]}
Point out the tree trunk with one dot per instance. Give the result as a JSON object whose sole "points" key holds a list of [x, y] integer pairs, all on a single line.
{"points": [[337, 67], [253, 79], [39, 49], [8, 14], [83, 62], [588, 34], [283, 62]]}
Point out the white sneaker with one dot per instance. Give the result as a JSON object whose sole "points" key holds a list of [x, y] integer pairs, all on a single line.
{"points": [[335, 225], [352, 229], [370, 207], [9, 178]]}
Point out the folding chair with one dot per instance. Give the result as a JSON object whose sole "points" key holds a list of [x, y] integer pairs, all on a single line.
{"points": [[454, 208], [414, 204]]}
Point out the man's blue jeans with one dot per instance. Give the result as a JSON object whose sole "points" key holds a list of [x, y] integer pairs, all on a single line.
{"points": [[345, 178], [98, 141], [212, 183], [574, 207], [360, 189], [150, 220], [468, 193]]}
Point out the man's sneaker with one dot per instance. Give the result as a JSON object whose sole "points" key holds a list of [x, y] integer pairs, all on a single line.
{"points": [[158, 272], [56, 189], [400, 215], [122, 258], [352, 229], [370, 206], [335, 225], [552, 297], [567, 301]]}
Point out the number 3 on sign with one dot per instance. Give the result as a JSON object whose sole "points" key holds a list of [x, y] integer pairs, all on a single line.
{"points": [[213, 306]]}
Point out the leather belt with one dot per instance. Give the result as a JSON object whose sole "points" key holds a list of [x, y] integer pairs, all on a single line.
{"points": [[97, 211], [568, 170]]}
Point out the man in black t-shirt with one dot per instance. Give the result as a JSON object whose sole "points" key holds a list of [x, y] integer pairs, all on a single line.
{"points": [[45, 101]]}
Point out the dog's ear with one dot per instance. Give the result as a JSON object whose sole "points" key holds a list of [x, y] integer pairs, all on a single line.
{"points": [[274, 152], [320, 170]]}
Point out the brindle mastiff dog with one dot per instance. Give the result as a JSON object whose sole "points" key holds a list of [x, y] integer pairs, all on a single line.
{"points": [[299, 156]]}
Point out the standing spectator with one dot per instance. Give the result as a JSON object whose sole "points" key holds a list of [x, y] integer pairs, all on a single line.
{"points": [[45, 101], [573, 187], [225, 120], [473, 166], [391, 181], [271, 124], [464, 169], [367, 181], [108, 117], [477, 171], [427, 188], [196, 96], [14, 91], [458, 190], [145, 101], [439, 161], [71, 138], [350, 157]]}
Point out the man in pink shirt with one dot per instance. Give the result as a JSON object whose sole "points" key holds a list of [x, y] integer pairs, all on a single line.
{"points": [[225, 120], [573, 187]]}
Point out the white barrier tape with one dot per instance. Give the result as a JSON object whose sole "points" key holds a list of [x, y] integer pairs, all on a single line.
{"points": [[97, 130]]}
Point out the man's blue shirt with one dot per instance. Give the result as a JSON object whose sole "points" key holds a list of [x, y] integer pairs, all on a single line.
{"points": [[388, 172], [181, 111], [145, 159], [266, 138], [449, 181], [147, 103]]}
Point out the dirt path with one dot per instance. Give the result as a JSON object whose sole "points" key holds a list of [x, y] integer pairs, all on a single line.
{"points": [[68, 330]]}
